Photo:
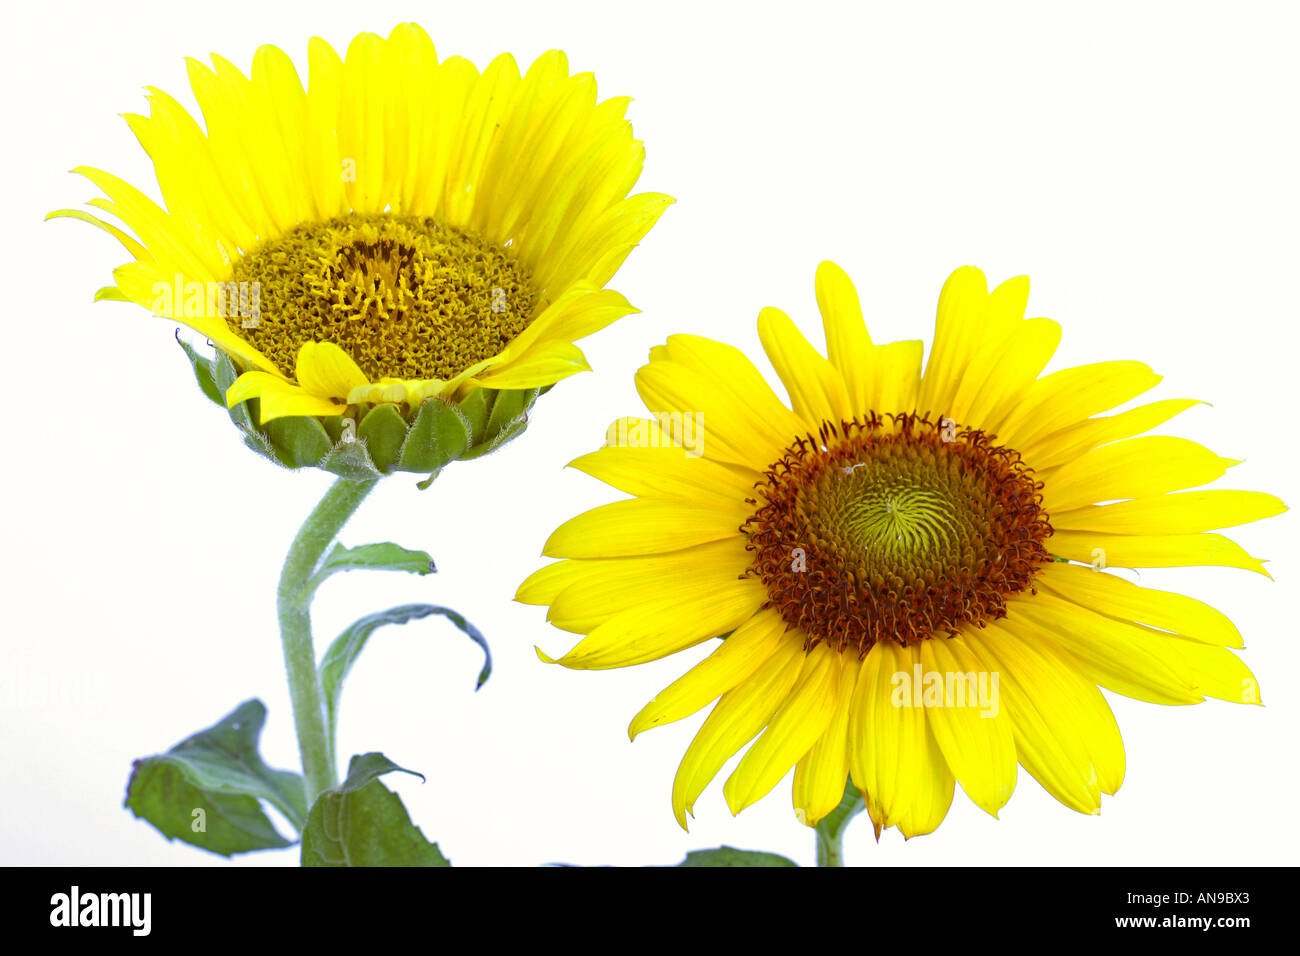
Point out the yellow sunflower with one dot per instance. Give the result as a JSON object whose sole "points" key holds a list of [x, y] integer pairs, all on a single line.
{"points": [[401, 229], [908, 568]]}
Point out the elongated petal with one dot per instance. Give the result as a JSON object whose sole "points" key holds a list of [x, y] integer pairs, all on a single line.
{"points": [[1152, 551], [1151, 465], [694, 573], [887, 754], [821, 774], [976, 740], [1115, 597], [1132, 660], [1071, 395], [651, 631], [738, 717], [1186, 513], [816, 388], [643, 526], [803, 717], [959, 332], [656, 472], [740, 655], [847, 340], [1066, 444], [1038, 693]]}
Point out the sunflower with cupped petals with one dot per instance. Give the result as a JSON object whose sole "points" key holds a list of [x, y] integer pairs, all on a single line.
{"points": [[402, 228], [897, 542]]}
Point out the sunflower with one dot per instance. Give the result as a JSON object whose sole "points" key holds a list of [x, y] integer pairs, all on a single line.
{"points": [[402, 229], [909, 570]]}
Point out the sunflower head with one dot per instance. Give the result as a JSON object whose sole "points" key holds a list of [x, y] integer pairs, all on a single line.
{"points": [[400, 231], [912, 571]]}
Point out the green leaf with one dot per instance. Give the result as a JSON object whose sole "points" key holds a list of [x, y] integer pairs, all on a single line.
{"points": [[366, 767], [202, 371], [371, 557], [436, 438], [347, 647], [730, 856], [207, 789], [383, 430], [363, 823]]}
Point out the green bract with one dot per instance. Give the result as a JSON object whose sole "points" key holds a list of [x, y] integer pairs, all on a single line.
{"points": [[379, 440]]}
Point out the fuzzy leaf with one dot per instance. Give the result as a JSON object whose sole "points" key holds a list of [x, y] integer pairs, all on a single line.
{"points": [[363, 823], [207, 789], [347, 647]]}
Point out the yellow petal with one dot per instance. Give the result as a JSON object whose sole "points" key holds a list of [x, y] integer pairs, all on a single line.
{"points": [[739, 656], [1049, 729], [1152, 551], [887, 753], [1005, 375], [651, 631], [803, 717], [1186, 513], [667, 473], [625, 583], [326, 371], [1150, 465], [1071, 395], [737, 428], [894, 379], [1065, 445], [278, 398], [741, 713], [1129, 659], [1113, 596], [976, 742], [538, 368], [933, 794], [847, 340], [816, 388], [819, 777], [644, 526], [959, 332]]}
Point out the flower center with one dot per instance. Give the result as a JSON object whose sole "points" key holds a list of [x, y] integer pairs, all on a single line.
{"points": [[406, 297], [895, 528]]}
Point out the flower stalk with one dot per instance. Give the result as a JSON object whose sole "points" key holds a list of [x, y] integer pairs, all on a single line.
{"points": [[830, 829], [294, 608]]}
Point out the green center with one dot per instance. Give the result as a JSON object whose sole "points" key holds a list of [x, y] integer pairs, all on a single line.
{"points": [[897, 518], [406, 297]]}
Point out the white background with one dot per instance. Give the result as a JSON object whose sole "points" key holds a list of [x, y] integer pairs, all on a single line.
{"points": [[1138, 161]]}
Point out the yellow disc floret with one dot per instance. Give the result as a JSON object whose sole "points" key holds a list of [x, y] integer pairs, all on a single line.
{"points": [[405, 297]]}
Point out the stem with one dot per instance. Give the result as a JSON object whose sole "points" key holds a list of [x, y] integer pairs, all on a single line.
{"points": [[830, 830], [293, 603]]}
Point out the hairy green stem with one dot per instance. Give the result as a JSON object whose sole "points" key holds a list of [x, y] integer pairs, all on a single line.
{"points": [[294, 607], [830, 829]]}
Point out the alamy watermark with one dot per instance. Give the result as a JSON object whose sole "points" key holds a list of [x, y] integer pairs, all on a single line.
{"points": [[923, 688], [665, 430], [208, 300]]}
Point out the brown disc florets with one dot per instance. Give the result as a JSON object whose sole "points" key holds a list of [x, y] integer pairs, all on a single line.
{"points": [[895, 528]]}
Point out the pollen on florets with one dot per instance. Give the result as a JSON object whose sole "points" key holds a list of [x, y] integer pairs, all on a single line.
{"points": [[406, 297], [895, 528]]}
